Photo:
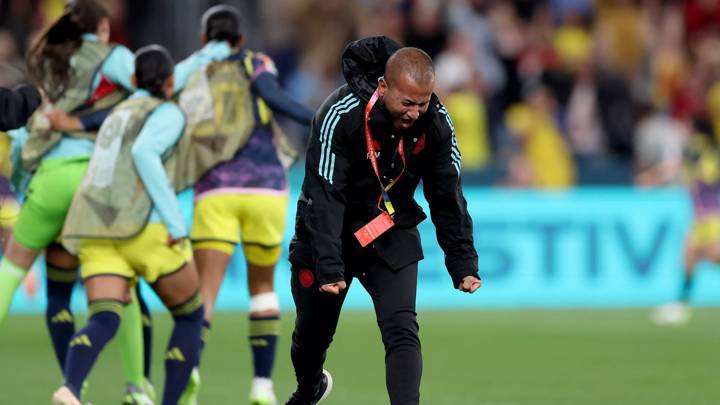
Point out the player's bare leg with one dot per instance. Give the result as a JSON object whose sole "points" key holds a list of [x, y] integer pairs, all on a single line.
{"points": [[211, 265]]}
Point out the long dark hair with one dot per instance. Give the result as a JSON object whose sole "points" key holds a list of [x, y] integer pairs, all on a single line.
{"points": [[49, 58], [153, 66], [222, 23]]}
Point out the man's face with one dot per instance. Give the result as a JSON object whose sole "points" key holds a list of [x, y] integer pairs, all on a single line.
{"points": [[405, 99]]}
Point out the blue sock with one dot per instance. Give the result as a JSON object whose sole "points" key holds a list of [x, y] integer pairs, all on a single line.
{"points": [[58, 316], [86, 345], [686, 287], [147, 333], [264, 333], [183, 349]]}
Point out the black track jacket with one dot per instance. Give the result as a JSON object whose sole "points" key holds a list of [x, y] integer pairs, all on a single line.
{"points": [[340, 191]]}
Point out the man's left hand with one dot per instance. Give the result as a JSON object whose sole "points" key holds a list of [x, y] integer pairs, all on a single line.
{"points": [[470, 284]]}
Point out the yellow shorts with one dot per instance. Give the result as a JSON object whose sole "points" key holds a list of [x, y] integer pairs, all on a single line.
{"points": [[221, 221], [146, 255], [706, 230], [9, 211]]}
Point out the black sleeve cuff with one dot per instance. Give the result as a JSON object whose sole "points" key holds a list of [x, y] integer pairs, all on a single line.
{"points": [[31, 100], [328, 278], [457, 277]]}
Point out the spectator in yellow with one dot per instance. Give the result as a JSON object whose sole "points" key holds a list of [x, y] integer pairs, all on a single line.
{"points": [[458, 84], [546, 154]]}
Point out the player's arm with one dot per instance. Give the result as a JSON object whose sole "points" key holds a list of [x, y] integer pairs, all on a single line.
{"points": [[265, 85], [161, 132], [119, 67], [324, 194], [448, 209], [62, 121], [212, 51]]}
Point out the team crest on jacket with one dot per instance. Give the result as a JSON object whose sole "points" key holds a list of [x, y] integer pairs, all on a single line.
{"points": [[306, 278], [419, 144]]}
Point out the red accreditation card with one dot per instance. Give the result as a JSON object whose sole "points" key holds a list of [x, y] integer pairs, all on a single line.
{"points": [[368, 233]]}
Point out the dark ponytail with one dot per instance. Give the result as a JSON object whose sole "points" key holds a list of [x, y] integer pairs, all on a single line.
{"points": [[153, 66], [222, 23], [49, 59]]}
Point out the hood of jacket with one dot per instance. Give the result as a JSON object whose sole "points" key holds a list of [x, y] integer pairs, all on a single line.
{"points": [[363, 62]]}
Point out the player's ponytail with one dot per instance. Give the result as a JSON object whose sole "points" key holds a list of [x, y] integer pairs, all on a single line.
{"points": [[49, 58], [153, 66]]}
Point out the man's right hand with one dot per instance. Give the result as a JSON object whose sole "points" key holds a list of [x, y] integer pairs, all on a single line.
{"points": [[333, 288], [470, 284]]}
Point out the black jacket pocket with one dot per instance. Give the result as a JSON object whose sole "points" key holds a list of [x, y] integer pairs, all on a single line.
{"points": [[399, 247]]}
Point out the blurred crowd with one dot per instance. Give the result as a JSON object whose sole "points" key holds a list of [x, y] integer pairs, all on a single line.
{"points": [[547, 94]]}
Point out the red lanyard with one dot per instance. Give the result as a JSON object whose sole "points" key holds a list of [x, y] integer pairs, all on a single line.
{"points": [[373, 159]]}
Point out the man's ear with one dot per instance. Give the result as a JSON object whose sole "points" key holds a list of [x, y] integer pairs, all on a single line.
{"points": [[382, 86]]}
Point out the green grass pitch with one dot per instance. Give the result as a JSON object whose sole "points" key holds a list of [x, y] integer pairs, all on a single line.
{"points": [[470, 357]]}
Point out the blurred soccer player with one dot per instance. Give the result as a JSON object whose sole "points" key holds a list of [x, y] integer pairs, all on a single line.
{"points": [[244, 199], [702, 172], [9, 209], [8, 200], [16, 106], [61, 120], [79, 72], [129, 224]]}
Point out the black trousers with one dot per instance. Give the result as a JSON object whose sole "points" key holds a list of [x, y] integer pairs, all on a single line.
{"points": [[393, 295]]}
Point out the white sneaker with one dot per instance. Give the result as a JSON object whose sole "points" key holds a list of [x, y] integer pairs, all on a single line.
{"points": [[322, 391], [328, 385], [63, 396], [673, 314], [136, 396], [261, 392]]}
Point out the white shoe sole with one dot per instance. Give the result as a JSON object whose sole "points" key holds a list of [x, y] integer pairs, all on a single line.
{"points": [[329, 386], [671, 315]]}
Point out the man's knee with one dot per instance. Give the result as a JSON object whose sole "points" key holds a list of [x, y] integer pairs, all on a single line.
{"points": [[400, 329], [309, 339]]}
